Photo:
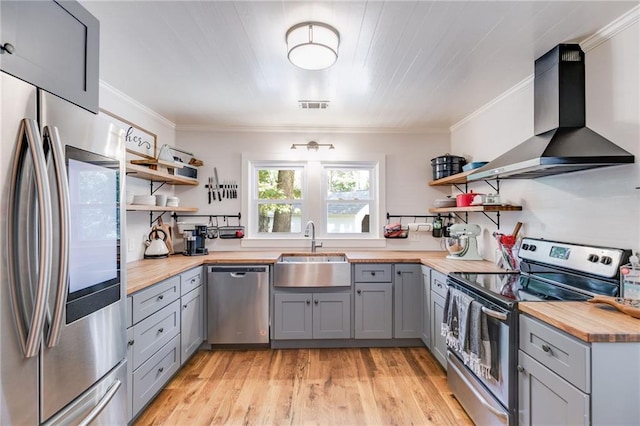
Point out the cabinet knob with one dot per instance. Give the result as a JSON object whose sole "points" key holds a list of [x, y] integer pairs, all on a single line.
{"points": [[160, 330], [315, 301], [308, 302], [439, 285], [160, 370], [359, 291], [7, 47], [184, 306], [546, 348], [520, 369], [399, 273], [373, 273], [131, 342], [161, 297]]}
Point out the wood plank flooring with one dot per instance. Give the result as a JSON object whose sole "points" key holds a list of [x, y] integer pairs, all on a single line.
{"points": [[367, 386]]}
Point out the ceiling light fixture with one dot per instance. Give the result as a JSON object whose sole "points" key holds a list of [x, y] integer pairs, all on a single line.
{"points": [[312, 45], [313, 145]]}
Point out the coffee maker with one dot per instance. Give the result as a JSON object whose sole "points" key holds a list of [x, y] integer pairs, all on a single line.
{"points": [[194, 243]]}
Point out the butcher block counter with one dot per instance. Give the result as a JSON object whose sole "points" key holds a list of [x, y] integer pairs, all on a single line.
{"points": [[143, 273], [589, 322]]}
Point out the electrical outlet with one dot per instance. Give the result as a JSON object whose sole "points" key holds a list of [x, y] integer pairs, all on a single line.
{"points": [[413, 236]]}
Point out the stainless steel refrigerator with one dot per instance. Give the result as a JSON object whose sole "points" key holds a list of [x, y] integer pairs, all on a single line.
{"points": [[62, 289]]}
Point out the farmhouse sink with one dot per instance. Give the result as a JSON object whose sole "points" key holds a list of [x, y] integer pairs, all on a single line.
{"points": [[312, 270]]}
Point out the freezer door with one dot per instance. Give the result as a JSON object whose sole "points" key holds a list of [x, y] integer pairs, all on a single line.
{"points": [[92, 337], [105, 403], [19, 375]]}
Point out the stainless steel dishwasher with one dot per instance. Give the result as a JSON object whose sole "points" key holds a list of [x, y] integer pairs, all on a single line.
{"points": [[238, 304]]}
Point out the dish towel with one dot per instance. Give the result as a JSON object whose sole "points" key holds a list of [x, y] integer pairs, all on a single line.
{"points": [[479, 349], [456, 325]]}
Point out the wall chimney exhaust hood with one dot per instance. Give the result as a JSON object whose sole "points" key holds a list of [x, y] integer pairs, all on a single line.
{"points": [[561, 143]]}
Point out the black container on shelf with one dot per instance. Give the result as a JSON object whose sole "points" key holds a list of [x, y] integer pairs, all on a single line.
{"points": [[447, 165]]}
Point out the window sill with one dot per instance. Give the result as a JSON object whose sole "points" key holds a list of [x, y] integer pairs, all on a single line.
{"points": [[302, 244]]}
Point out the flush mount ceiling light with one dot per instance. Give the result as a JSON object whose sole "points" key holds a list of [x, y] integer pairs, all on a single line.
{"points": [[313, 145], [312, 45]]}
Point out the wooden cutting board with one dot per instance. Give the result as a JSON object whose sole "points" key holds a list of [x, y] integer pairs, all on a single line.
{"points": [[628, 306]]}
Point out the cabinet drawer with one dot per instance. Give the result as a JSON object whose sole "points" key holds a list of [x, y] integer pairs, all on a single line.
{"points": [[439, 283], [190, 280], [154, 298], [153, 374], [154, 332], [559, 352], [373, 272]]}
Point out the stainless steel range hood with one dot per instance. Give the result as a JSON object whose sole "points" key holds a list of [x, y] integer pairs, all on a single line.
{"points": [[562, 143]]}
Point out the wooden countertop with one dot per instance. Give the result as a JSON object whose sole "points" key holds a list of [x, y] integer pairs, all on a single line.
{"points": [[143, 273], [588, 322]]}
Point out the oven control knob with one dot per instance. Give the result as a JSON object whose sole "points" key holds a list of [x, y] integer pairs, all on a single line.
{"points": [[525, 246], [593, 258], [606, 260], [532, 247]]}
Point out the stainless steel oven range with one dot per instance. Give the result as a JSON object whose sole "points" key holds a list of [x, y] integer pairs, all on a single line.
{"points": [[549, 270]]}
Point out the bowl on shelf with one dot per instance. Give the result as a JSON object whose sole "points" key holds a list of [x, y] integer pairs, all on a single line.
{"points": [[144, 200], [444, 202], [473, 165]]}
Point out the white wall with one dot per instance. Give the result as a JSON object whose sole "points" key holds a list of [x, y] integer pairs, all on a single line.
{"points": [[598, 206], [137, 223], [408, 170]]}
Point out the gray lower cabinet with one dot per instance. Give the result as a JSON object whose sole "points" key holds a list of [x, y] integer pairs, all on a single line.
{"points": [[564, 380], [192, 323], [373, 310], [407, 296], [426, 302], [436, 308], [55, 46], [312, 316]]}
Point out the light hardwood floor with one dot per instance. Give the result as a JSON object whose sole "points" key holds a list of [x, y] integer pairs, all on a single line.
{"points": [[372, 386]]}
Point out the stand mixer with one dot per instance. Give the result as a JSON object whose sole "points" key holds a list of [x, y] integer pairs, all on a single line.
{"points": [[462, 243]]}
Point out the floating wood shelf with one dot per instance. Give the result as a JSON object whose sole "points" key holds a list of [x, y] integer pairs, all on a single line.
{"points": [[156, 162], [480, 209], [143, 208], [457, 179], [143, 172]]}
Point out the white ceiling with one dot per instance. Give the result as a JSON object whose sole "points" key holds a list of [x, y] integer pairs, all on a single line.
{"points": [[404, 65]]}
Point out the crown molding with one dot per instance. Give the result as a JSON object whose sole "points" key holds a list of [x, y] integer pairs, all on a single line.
{"points": [[137, 105], [611, 30], [320, 130]]}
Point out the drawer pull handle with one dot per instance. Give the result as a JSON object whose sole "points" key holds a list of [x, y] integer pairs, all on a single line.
{"points": [[160, 370], [315, 301], [373, 273], [161, 297], [160, 330], [193, 280], [308, 302], [359, 292], [7, 47], [184, 306], [520, 369], [546, 348], [131, 342], [439, 285]]}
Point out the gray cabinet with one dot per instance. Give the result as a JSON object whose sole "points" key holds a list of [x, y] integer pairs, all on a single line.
{"points": [[192, 323], [436, 308], [426, 301], [55, 47], [407, 296], [373, 310], [312, 316]]}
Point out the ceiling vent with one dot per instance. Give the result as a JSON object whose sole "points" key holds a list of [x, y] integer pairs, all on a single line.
{"points": [[313, 104]]}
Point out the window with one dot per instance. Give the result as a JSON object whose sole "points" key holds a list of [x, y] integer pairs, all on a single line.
{"points": [[279, 198], [348, 199], [343, 198]]}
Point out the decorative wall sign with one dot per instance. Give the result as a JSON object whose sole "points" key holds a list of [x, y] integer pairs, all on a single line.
{"points": [[137, 140]]}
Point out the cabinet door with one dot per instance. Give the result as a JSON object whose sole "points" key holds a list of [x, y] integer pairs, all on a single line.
{"points": [[292, 316], [130, 343], [56, 48], [331, 315], [545, 398], [407, 310], [426, 302], [192, 323], [374, 311], [438, 342]]}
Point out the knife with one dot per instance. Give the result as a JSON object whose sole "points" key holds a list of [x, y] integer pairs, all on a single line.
{"points": [[215, 173], [209, 191]]}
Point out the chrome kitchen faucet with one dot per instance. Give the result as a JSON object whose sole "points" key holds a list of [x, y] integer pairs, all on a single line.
{"points": [[314, 245]]}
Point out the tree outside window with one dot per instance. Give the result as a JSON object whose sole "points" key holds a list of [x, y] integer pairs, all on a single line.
{"points": [[279, 200]]}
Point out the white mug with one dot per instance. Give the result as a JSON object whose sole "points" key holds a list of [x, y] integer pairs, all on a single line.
{"points": [[161, 200]]}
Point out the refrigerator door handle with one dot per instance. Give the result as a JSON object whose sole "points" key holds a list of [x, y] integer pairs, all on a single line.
{"points": [[52, 137], [30, 333], [108, 396]]}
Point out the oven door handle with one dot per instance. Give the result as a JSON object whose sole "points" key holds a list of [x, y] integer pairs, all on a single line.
{"points": [[495, 314], [500, 414]]}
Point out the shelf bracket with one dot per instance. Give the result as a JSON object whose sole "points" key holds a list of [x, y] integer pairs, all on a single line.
{"points": [[495, 222], [495, 187], [465, 219], [152, 220], [459, 188], [153, 191]]}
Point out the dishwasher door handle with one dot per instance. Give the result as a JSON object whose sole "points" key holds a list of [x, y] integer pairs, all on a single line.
{"points": [[238, 274]]}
